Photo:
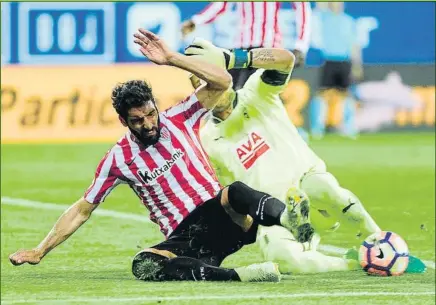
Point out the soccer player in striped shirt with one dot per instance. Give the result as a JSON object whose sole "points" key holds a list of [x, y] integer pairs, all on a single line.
{"points": [[160, 158], [258, 27], [252, 140]]}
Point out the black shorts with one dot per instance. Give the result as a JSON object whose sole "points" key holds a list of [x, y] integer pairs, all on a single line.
{"points": [[208, 234], [336, 74]]}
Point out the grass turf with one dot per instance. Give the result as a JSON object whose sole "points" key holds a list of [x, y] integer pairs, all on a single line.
{"points": [[393, 175]]}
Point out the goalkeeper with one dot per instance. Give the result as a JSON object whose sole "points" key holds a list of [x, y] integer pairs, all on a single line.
{"points": [[250, 138]]}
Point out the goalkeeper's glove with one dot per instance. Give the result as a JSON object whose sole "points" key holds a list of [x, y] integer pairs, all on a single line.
{"points": [[221, 57]]}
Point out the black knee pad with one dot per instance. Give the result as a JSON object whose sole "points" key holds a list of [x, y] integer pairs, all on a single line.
{"points": [[147, 266]]}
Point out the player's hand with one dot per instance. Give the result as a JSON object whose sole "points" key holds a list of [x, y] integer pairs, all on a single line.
{"points": [[205, 50], [300, 58], [188, 27], [152, 47], [20, 257]]}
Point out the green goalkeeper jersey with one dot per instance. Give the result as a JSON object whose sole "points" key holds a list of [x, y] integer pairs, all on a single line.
{"points": [[258, 144]]}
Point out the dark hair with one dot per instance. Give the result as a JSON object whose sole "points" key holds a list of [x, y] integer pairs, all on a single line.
{"points": [[133, 93]]}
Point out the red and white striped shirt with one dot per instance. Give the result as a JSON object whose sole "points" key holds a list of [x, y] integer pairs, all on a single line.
{"points": [[171, 178], [258, 23]]}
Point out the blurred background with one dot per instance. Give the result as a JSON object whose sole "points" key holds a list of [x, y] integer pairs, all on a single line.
{"points": [[60, 60]]}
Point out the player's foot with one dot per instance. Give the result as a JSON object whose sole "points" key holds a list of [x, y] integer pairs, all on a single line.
{"points": [[265, 272], [415, 265], [295, 218]]}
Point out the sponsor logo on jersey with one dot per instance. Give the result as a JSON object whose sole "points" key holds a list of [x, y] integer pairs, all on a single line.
{"points": [[251, 149], [148, 177]]}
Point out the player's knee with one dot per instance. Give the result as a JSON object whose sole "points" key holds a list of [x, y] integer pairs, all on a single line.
{"points": [[320, 186], [148, 264], [238, 187], [324, 190], [234, 196]]}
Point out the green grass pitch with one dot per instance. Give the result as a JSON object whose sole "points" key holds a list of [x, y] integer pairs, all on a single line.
{"points": [[393, 174]]}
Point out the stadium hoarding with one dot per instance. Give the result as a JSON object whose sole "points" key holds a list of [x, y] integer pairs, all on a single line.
{"points": [[406, 103], [72, 103], [59, 102], [53, 33]]}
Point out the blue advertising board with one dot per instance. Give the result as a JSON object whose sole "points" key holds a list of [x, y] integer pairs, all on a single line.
{"points": [[101, 32]]}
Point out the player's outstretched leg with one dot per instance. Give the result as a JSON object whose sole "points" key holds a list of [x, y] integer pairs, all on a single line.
{"points": [[279, 245], [325, 193], [150, 266], [268, 211]]}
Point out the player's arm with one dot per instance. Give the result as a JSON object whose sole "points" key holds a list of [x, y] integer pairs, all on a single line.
{"points": [[217, 79], [280, 60], [75, 216], [208, 15], [276, 59], [276, 67], [67, 224]]}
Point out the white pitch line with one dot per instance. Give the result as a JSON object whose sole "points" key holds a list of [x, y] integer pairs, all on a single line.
{"points": [[225, 297], [114, 214], [62, 207]]}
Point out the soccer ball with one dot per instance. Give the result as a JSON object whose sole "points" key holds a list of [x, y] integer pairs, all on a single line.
{"points": [[384, 254]]}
